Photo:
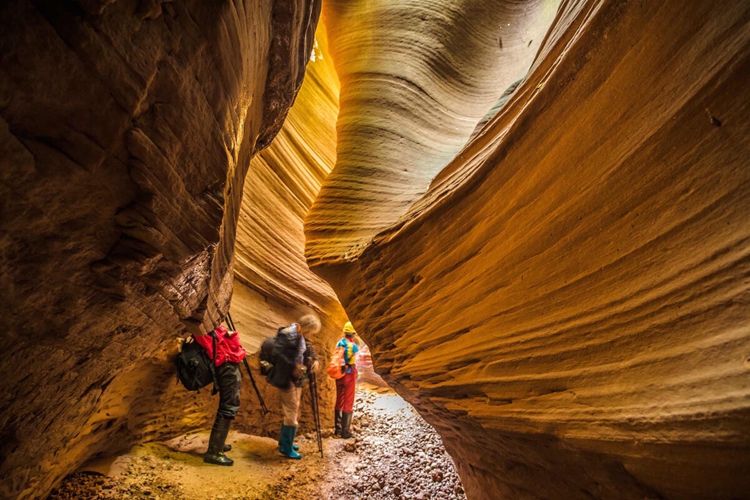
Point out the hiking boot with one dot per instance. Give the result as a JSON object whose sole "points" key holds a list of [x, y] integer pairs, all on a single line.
{"points": [[337, 423], [219, 432], [346, 425], [294, 446], [287, 442]]}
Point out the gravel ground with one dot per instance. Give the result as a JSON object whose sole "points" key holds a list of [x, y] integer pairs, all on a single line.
{"points": [[396, 455]]}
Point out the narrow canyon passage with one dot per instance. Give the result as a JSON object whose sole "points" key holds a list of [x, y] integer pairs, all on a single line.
{"points": [[534, 212], [395, 455]]}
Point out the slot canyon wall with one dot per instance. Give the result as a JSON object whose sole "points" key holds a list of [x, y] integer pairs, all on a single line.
{"points": [[564, 297], [272, 283], [416, 77], [126, 131], [567, 300]]}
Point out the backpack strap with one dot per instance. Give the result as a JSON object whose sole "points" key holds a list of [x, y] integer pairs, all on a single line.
{"points": [[213, 363], [195, 373], [299, 339]]}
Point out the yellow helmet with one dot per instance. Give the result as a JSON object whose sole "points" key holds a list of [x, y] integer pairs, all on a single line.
{"points": [[349, 328]]}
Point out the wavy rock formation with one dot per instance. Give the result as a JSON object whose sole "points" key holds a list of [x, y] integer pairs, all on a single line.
{"points": [[127, 130], [568, 303], [564, 297], [272, 284], [416, 77]]}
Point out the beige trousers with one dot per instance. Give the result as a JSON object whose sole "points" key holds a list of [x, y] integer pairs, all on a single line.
{"points": [[290, 404]]}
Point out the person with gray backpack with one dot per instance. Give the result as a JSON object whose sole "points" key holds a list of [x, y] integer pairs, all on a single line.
{"points": [[286, 366]]}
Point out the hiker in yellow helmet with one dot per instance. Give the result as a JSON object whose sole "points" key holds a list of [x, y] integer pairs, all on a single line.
{"points": [[346, 385]]}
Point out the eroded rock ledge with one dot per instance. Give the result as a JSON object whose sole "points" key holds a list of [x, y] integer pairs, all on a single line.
{"points": [[127, 129], [567, 304]]}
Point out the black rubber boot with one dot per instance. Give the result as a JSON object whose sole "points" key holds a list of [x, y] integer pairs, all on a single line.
{"points": [[337, 423], [219, 432], [346, 425]]}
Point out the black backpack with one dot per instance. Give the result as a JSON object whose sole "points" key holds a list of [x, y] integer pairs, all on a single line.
{"points": [[277, 360], [194, 368], [266, 355]]}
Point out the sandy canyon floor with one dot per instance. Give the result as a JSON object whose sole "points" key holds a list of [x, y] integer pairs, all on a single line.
{"points": [[396, 455]]}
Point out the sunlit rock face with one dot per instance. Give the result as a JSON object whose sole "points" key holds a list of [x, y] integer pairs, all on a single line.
{"points": [[273, 286], [416, 77], [127, 130], [568, 303]]}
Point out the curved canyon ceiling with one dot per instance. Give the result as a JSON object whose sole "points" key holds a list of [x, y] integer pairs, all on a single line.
{"points": [[534, 212]]}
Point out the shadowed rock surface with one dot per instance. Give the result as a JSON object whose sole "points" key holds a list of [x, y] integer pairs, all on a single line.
{"points": [[567, 304], [127, 130]]}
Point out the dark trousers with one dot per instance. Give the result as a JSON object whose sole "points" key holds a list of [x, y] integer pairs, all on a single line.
{"points": [[229, 378], [345, 387]]}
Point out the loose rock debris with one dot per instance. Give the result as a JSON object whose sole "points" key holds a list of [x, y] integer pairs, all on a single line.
{"points": [[396, 455]]}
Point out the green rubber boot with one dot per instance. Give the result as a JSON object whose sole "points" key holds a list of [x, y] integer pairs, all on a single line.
{"points": [[287, 442]]}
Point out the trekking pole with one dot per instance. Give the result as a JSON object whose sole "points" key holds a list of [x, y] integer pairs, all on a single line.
{"points": [[317, 414], [316, 410], [230, 323], [255, 386]]}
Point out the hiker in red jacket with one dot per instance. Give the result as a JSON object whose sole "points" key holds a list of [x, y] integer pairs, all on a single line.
{"points": [[229, 355]]}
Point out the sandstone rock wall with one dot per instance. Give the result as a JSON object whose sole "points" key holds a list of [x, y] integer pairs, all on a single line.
{"points": [[564, 297], [416, 77], [126, 131], [568, 303], [273, 286]]}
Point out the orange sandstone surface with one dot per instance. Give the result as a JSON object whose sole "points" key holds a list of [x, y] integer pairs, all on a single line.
{"points": [[535, 213], [567, 302], [272, 284]]}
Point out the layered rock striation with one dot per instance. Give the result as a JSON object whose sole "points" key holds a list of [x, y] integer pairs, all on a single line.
{"points": [[564, 297], [126, 132], [567, 303], [416, 77], [273, 286]]}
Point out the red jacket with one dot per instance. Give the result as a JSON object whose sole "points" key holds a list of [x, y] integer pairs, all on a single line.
{"points": [[228, 347]]}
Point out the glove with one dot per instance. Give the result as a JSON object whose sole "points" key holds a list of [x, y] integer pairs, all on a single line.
{"points": [[315, 366]]}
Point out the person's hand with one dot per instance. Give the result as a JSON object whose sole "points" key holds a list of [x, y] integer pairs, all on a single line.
{"points": [[297, 371], [315, 366]]}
